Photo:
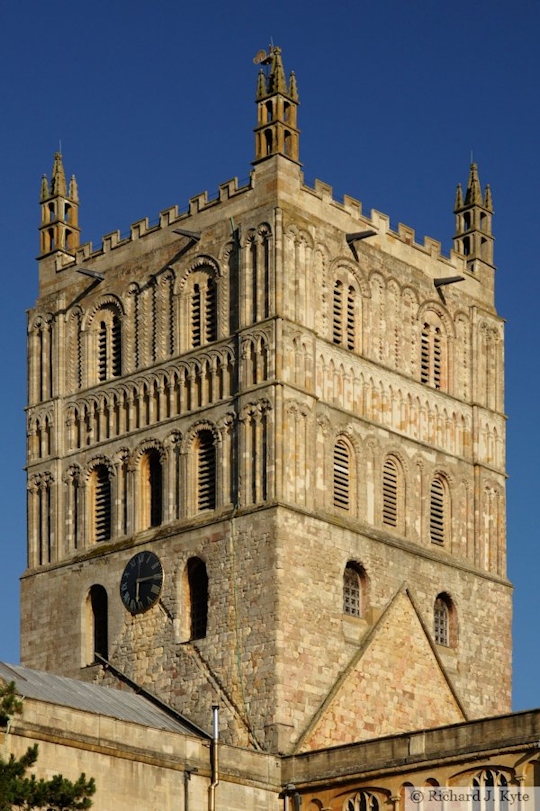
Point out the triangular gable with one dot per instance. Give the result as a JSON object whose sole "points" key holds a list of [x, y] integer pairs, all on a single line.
{"points": [[394, 683]]}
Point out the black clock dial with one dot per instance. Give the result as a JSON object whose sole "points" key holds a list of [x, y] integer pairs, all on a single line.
{"points": [[141, 582]]}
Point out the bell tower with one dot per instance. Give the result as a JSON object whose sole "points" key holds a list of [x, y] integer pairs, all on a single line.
{"points": [[473, 237], [266, 459], [59, 229], [276, 132]]}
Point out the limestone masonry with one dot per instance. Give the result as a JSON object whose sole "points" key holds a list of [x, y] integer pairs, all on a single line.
{"points": [[299, 412]]}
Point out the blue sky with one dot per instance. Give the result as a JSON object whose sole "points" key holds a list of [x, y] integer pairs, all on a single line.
{"points": [[154, 103]]}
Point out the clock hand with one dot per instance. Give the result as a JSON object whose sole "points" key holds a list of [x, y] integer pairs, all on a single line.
{"points": [[150, 577]]}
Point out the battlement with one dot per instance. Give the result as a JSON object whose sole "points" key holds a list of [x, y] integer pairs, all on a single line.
{"points": [[277, 183], [380, 223], [144, 227], [201, 202]]}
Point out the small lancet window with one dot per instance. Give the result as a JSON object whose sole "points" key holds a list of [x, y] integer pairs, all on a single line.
{"points": [[99, 620], [390, 493], [342, 465], [198, 597], [109, 346], [151, 489], [441, 621], [438, 510], [337, 312], [205, 453], [344, 315], [204, 312], [101, 504], [432, 355], [353, 590]]}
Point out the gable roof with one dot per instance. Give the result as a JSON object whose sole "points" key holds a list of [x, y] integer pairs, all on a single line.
{"points": [[395, 682]]}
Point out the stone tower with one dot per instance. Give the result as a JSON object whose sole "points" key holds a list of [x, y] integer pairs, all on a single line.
{"points": [[266, 458]]}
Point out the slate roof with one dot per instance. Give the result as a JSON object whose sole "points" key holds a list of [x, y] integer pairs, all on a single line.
{"points": [[79, 695]]}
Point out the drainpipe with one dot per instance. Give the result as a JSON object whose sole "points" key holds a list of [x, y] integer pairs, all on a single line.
{"points": [[292, 801], [214, 759]]}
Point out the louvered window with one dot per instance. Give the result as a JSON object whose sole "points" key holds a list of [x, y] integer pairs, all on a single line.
{"points": [[206, 471], [432, 358], [196, 316], [204, 312], [437, 358], [437, 511], [424, 360], [338, 312], [198, 597], [341, 475], [390, 493], [116, 348], [102, 505], [352, 592], [441, 622], [344, 315], [102, 351], [109, 348], [350, 318], [211, 311]]}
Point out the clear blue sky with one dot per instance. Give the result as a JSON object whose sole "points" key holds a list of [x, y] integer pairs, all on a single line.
{"points": [[154, 103]]}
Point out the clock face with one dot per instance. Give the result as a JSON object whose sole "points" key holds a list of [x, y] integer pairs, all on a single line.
{"points": [[141, 582]]}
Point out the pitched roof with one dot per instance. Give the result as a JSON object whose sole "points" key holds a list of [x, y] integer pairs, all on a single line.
{"points": [[123, 705]]}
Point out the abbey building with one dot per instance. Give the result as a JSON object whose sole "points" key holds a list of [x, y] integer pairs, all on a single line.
{"points": [[266, 466]]}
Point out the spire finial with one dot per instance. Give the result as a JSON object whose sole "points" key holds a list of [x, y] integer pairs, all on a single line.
{"points": [[488, 200], [44, 188], [276, 81], [473, 195], [459, 196], [58, 178]]}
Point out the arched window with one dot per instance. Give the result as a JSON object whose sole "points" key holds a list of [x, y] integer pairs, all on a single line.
{"points": [[342, 472], [433, 354], [363, 801], [344, 315], [203, 310], [492, 796], [438, 509], [151, 489], [99, 632], [100, 503], [109, 345], [205, 473], [198, 597], [391, 495], [353, 590], [441, 620]]}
